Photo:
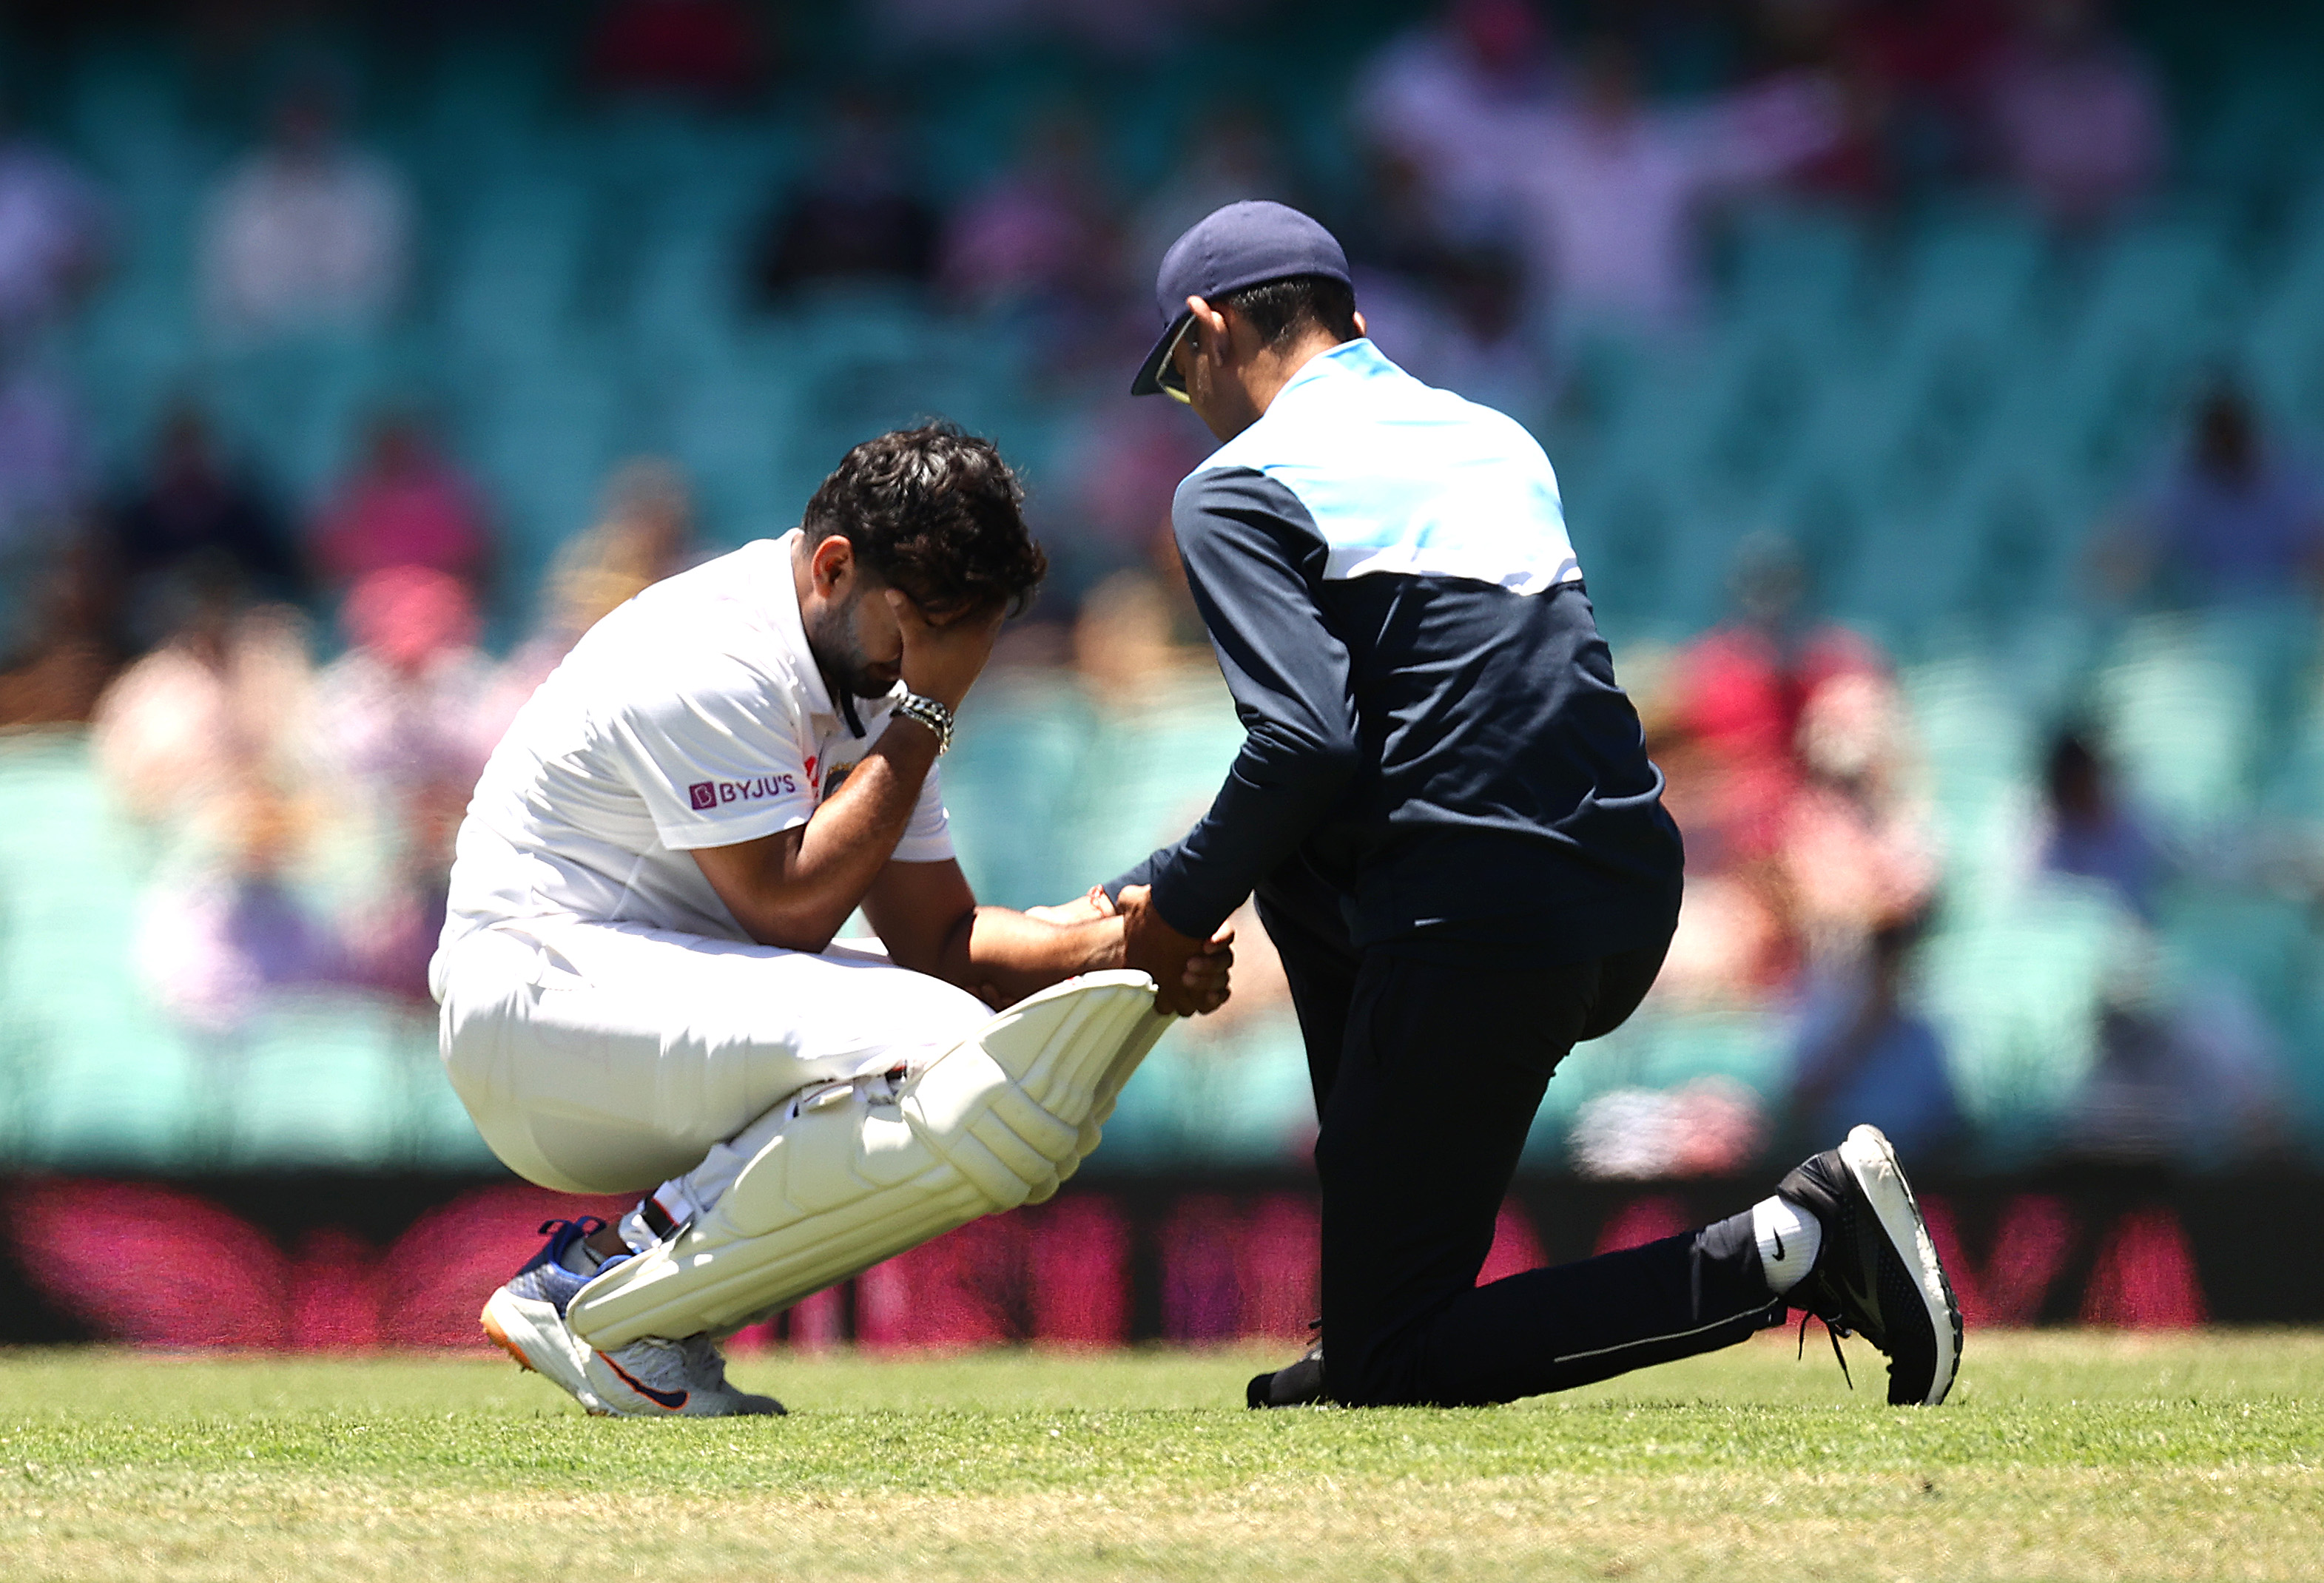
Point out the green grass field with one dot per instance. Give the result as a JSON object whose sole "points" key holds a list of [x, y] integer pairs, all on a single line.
{"points": [[2060, 1455]]}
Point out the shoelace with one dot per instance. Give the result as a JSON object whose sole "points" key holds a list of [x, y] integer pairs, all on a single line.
{"points": [[1833, 1328]]}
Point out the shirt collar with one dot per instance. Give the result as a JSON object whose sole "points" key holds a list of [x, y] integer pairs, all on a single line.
{"points": [[1358, 358], [790, 630]]}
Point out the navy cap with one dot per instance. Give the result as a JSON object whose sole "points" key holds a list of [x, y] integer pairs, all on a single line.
{"points": [[1238, 245]]}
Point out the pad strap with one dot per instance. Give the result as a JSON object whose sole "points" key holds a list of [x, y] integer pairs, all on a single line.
{"points": [[656, 1219]]}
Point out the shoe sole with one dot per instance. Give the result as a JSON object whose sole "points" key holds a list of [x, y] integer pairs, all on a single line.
{"points": [[1872, 1163], [539, 1343]]}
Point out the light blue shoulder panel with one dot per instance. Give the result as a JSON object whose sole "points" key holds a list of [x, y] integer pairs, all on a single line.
{"points": [[1403, 477]]}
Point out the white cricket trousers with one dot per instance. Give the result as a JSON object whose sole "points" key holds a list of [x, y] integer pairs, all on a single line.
{"points": [[609, 1057]]}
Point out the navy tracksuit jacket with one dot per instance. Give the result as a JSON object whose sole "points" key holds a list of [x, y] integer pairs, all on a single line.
{"points": [[1445, 805]]}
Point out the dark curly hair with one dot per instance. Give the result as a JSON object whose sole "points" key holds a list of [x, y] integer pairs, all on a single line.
{"points": [[933, 511]]}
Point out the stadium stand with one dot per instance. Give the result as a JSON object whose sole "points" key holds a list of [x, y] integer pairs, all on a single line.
{"points": [[1940, 405]]}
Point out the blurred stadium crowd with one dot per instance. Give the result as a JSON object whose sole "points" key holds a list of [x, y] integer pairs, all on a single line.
{"points": [[1930, 379]]}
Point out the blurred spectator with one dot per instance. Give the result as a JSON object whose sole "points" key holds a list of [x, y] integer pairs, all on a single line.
{"points": [[1395, 237], [2091, 833], [65, 650], [53, 235], [1482, 347], [223, 702], [1730, 949], [1122, 465], [1858, 855], [1233, 155], [1931, 59], [710, 49], [1606, 191], [1038, 234], [2193, 1085], [43, 470], [305, 234], [215, 948], [1451, 312], [193, 505], [1448, 103], [1124, 646], [399, 710], [2233, 517], [645, 534], [1766, 802], [388, 940], [1859, 165], [405, 505], [1739, 694], [855, 218], [1862, 1056], [405, 719], [1130, 29], [58, 599], [2076, 118]]}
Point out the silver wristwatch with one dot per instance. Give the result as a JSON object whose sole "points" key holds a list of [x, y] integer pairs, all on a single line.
{"points": [[929, 713]]}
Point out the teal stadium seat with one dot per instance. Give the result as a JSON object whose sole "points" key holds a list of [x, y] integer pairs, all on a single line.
{"points": [[1010, 782], [2014, 988], [2183, 723], [100, 1081], [321, 1084]]}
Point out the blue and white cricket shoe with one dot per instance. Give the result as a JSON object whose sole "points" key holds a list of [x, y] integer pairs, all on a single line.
{"points": [[648, 1378], [526, 1318], [651, 1377]]}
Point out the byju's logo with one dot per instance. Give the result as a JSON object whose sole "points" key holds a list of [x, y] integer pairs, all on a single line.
{"points": [[706, 794]]}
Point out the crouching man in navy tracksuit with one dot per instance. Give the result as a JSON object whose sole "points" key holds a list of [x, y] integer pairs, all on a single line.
{"points": [[1457, 842]]}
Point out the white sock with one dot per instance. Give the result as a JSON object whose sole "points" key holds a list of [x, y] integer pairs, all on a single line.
{"points": [[1789, 1238]]}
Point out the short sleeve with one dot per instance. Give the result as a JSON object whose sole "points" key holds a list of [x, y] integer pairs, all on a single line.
{"points": [[927, 839], [715, 764]]}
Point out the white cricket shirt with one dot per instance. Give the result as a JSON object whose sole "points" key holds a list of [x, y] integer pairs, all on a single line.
{"points": [[692, 716]]}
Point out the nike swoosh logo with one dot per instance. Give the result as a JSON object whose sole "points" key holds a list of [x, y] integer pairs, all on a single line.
{"points": [[1773, 1231], [673, 1399]]}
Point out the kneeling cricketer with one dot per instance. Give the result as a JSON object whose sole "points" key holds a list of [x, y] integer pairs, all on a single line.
{"points": [[638, 973]]}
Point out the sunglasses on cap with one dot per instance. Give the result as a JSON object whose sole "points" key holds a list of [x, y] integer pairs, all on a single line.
{"points": [[1167, 377]]}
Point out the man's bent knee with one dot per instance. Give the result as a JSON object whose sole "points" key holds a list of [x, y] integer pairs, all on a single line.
{"points": [[854, 1173]]}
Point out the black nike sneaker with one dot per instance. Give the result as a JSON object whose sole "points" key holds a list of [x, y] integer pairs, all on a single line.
{"points": [[1876, 1273], [1297, 1385]]}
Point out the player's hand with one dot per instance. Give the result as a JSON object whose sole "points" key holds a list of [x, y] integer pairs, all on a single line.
{"points": [[1208, 971], [943, 661], [1082, 909], [1190, 975]]}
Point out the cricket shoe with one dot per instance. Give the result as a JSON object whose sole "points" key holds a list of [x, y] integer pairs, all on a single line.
{"points": [[1297, 1385], [526, 1318], [1876, 1273], [651, 1377]]}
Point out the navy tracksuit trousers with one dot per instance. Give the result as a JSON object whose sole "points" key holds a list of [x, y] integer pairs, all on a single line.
{"points": [[1426, 1078]]}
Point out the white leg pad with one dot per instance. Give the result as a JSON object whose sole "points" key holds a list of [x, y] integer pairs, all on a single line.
{"points": [[852, 1173]]}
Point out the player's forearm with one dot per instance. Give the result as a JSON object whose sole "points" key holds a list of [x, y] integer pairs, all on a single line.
{"points": [[1271, 802], [1013, 955], [811, 891]]}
